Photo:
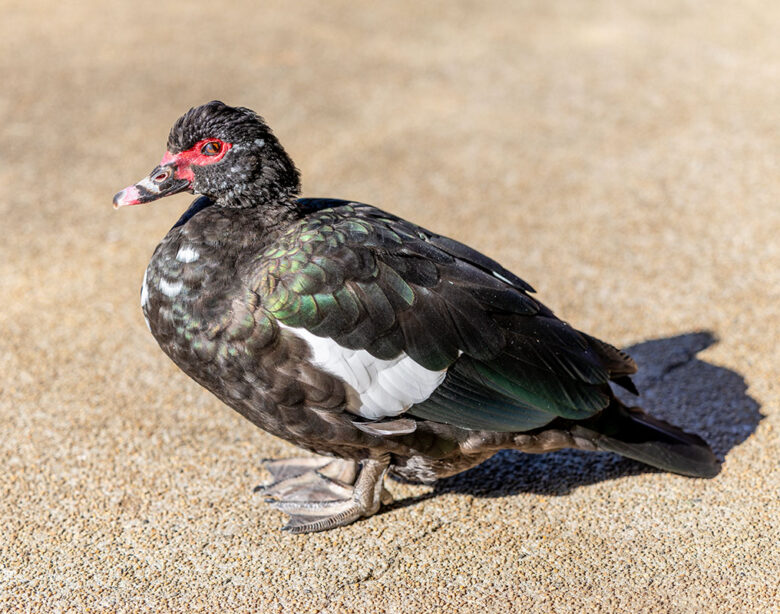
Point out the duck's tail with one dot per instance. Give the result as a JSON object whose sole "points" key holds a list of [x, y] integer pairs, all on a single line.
{"points": [[630, 432]]}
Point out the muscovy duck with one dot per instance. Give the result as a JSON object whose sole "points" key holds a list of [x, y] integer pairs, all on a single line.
{"points": [[364, 338]]}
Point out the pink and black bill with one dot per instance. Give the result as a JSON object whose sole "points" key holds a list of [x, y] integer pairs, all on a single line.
{"points": [[162, 181], [174, 174]]}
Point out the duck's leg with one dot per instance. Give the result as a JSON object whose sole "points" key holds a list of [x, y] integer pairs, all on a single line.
{"points": [[317, 499]]}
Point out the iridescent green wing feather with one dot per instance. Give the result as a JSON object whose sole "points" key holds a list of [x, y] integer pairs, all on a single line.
{"points": [[371, 281]]}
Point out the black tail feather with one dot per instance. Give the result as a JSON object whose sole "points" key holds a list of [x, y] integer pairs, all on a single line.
{"points": [[630, 432]]}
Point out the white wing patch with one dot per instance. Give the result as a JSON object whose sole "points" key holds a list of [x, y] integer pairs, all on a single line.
{"points": [[386, 387]]}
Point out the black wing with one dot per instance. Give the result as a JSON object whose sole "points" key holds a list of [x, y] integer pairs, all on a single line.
{"points": [[372, 281]]}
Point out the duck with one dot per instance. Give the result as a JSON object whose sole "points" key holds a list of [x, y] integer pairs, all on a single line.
{"points": [[378, 346]]}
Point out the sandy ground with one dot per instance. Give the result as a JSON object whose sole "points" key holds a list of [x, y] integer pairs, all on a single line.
{"points": [[623, 157]]}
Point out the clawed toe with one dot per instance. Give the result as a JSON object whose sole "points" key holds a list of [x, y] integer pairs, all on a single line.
{"points": [[317, 506], [334, 516]]}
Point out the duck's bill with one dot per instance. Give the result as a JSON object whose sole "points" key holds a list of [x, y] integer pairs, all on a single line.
{"points": [[159, 183]]}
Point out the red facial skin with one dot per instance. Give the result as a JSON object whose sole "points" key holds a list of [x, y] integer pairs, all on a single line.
{"points": [[185, 159], [154, 186]]}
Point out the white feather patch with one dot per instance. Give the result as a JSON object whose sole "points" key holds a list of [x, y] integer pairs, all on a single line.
{"points": [[386, 387], [187, 254], [170, 289], [144, 290]]}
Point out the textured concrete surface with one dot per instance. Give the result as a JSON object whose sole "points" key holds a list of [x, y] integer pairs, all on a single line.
{"points": [[623, 157]]}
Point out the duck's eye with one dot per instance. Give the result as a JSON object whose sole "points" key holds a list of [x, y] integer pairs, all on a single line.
{"points": [[212, 148]]}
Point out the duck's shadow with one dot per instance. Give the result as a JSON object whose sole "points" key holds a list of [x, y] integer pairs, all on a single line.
{"points": [[677, 386]]}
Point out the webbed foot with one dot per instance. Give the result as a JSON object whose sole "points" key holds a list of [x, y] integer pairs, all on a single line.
{"points": [[283, 469], [320, 494]]}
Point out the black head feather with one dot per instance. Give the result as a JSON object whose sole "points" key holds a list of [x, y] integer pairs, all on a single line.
{"points": [[256, 170]]}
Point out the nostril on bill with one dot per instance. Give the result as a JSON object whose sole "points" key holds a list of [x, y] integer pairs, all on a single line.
{"points": [[161, 176]]}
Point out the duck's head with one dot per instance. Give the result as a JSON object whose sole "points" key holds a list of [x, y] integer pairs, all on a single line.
{"points": [[226, 153]]}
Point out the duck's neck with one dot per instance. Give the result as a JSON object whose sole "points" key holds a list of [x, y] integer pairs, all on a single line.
{"points": [[265, 221], [272, 198], [271, 182]]}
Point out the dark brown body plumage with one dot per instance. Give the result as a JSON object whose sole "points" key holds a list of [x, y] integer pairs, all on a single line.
{"points": [[251, 283], [215, 330], [210, 329]]}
